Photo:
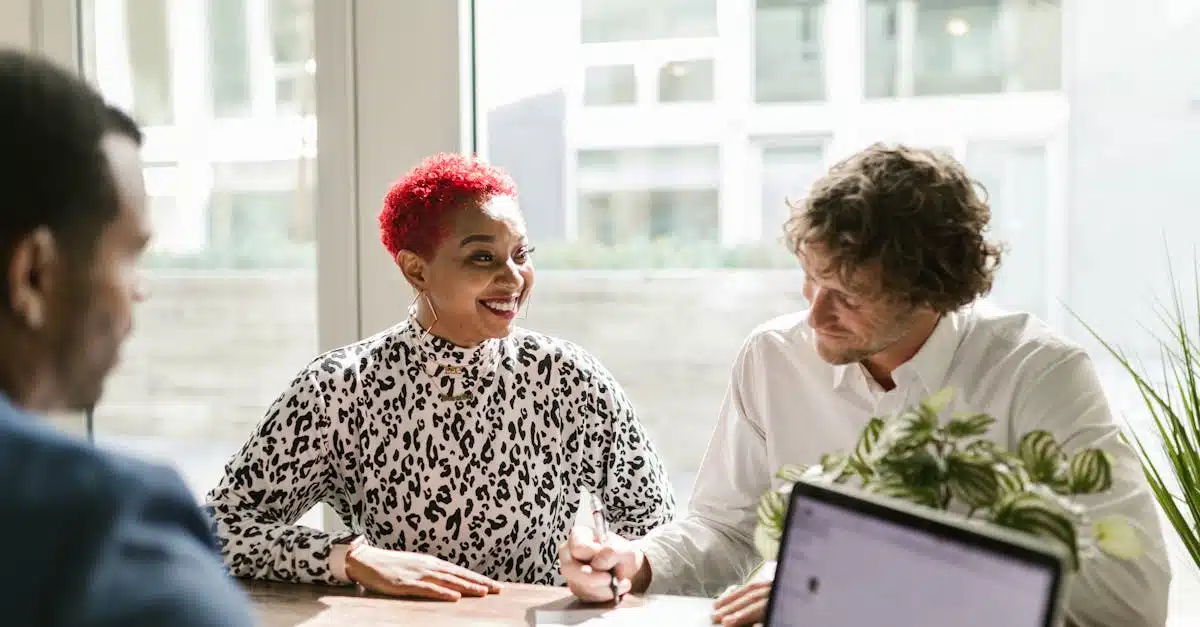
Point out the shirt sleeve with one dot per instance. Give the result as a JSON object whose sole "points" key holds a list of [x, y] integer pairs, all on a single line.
{"points": [[279, 474], [637, 491], [1067, 400], [158, 565], [712, 546]]}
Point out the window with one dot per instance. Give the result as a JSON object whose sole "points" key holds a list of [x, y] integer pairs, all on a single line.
{"points": [[789, 168], [634, 20], [610, 85], [940, 47], [638, 196], [232, 257], [259, 228], [686, 81], [1014, 176], [789, 63], [229, 58], [291, 43], [149, 52]]}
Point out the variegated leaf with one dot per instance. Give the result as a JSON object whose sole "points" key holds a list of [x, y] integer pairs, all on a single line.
{"points": [[1043, 458], [971, 425], [1090, 472]]}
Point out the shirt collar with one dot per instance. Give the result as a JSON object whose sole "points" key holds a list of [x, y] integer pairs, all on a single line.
{"points": [[931, 363]]}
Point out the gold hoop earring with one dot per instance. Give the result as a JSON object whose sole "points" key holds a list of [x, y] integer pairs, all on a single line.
{"points": [[412, 313]]}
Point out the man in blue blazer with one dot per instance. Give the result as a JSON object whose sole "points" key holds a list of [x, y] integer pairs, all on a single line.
{"points": [[91, 539]]}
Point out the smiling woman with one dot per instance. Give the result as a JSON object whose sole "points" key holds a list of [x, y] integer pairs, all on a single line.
{"points": [[454, 228], [454, 445]]}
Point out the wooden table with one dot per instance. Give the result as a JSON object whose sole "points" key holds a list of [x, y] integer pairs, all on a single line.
{"points": [[295, 605]]}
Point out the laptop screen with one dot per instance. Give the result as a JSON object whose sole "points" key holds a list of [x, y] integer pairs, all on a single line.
{"points": [[844, 567]]}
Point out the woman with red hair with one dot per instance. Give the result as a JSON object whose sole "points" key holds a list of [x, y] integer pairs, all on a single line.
{"points": [[453, 445]]}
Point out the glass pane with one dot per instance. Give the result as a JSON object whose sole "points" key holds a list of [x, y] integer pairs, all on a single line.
{"points": [[149, 51], [292, 55], [938, 47], [789, 64], [633, 20], [610, 85], [686, 81], [229, 57], [788, 170], [1014, 177], [231, 269]]}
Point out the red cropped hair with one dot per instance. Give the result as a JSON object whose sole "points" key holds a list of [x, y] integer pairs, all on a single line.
{"points": [[415, 208]]}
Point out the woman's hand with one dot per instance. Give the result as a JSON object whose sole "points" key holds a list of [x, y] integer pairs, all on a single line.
{"points": [[399, 573], [742, 606]]}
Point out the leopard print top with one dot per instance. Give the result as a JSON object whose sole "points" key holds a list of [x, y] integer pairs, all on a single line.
{"points": [[393, 433]]}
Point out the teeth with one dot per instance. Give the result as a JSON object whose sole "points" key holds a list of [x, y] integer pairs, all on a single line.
{"points": [[502, 305]]}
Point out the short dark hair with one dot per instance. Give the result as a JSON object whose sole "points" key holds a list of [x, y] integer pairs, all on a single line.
{"points": [[912, 211], [122, 124], [53, 171]]}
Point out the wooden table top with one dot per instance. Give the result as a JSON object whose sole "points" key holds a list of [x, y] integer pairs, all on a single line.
{"points": [[296, 605]]}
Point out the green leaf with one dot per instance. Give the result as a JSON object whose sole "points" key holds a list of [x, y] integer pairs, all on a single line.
{"points": [[896, 487], [909, 430], [1170, 456], [972, 481], [868, 440], [970, 425], [937, 401], [791, 473], [919, 468], [830, 461], [1117, 538], [1010, 480], [772, 510], [1043, 458], [1030, 513], [1090, 472], [766, 541]]}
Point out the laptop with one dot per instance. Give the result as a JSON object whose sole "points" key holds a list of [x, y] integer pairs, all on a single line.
{"points": [[851, 559]]}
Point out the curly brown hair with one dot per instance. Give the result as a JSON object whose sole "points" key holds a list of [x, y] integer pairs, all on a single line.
{"points": [[912, 212]]}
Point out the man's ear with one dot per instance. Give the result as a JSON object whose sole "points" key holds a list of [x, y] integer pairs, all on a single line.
{"points": [[415, 269], [31, 276]]}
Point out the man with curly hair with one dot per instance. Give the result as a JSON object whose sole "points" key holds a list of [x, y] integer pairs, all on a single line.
{"points": [[893, 245]]}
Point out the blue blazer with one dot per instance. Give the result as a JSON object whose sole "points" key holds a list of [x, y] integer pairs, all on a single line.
{"points": [[95, 539]]}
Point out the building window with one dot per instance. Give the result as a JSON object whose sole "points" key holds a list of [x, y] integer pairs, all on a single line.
{"points": [[1016, 182], [257, 228], [789, 168], [605, 85], [229, 56], [636, 20], [150, 61], [947, 47], [292, 48], [640, 195], [686, 81], [789, 59]]}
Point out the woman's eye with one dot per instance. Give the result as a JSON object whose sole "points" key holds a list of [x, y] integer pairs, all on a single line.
{"points": [[523, 255], [482, 257]]}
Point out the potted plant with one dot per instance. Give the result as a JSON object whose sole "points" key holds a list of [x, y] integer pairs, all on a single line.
{"points": [[1173, 402], [913, 455]]}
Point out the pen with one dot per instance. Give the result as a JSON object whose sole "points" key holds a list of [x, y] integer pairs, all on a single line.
{"points": [[600, 524]]}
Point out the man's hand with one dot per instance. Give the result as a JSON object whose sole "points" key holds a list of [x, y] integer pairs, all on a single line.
{"points": [[398, 573], [742, 606], [586, 564]]}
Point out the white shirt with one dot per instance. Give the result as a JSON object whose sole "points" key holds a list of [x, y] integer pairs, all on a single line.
{"points": [[786, 405]]}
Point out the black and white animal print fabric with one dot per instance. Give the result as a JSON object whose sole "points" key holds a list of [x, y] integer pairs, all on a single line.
{"points": [[475, 456]]}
